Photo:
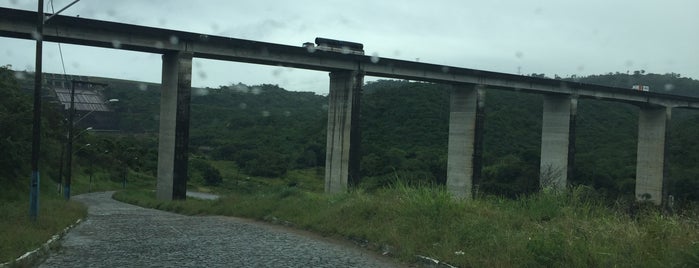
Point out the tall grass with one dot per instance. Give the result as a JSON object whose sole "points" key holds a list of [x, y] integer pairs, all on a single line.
{"points": [[18, 234], [544, 229]]}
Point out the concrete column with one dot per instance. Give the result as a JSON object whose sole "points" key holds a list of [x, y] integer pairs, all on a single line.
{"points": [[174, 126], [462, 132], [343, 137], [556, 141], [650, 157]]}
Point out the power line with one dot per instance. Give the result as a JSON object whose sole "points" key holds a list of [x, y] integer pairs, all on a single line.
{"points": [[60, 50]]}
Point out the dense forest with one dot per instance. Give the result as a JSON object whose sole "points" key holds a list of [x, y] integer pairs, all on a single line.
{"points": [[267, 130]]}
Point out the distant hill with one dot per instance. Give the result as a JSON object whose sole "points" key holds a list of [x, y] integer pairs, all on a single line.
{"points": [[268, 130]]}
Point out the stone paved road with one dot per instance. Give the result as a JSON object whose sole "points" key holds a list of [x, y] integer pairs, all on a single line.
{"points": [[116, 234]]}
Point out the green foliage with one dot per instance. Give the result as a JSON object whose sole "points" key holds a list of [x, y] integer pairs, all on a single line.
{"points": [[201, 169], [18, 234], [570, 229], [269, 131], [15, 133]]}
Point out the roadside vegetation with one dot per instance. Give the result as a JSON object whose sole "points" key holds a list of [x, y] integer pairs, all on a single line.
{"points": [[545, 229]]}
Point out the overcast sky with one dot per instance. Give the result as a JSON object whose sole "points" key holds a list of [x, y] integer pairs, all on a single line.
{"points": [[562, 37]]}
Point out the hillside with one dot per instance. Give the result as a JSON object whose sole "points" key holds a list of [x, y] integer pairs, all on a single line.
{"points": [[268, 130]]}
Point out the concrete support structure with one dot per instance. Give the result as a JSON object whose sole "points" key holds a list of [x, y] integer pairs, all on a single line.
{"points": [[463, 160], [343, 137], [556, 141], [650, 158], [174, 126]]}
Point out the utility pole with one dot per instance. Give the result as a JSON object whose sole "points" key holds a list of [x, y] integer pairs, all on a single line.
{"points": [[71, 126], [36, 129]]}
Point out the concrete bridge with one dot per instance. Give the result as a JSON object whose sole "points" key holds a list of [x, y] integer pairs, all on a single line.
{"points": [[346, 72]]}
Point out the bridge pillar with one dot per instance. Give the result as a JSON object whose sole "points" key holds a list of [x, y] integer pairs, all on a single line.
{"points": [[173, 137], [557, 141], [343, 136], [465, 140], [650, 157]]}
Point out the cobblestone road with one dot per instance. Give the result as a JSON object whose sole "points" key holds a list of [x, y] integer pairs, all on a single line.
{"points": [[116, 234]]}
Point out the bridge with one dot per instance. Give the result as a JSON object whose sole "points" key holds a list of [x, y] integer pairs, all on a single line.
{"points": [[346, 72]]}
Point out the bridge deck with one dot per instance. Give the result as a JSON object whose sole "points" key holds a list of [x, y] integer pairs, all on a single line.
{"points": [[20, 24]]}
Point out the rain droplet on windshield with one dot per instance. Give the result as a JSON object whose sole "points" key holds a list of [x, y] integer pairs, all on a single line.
{"points": [[256, 90], [200, 92], [311, 48], [445, 69], [669, 87], [519, 54], [265, 113], [116, 43], [287, 113], [36, 36], [19, 75], [174, 40], [346, 50], [159, 45], [142, 86], [375, 57], [202, 75], [242, 105]]}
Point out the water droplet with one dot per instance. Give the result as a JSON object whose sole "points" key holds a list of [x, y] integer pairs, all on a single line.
{"points": [[346, 50], [200, 92], [256, 90], [162, 21], [241, 88], [75, 64], [311, 48], [277, 72], [628, 63], [174, 40], [142, 86], [324, 107], [669, 87], [214, 27], [287, 113], [375, 57], [159, 45], [203, 37], [445, 69], [116, 43], [13, 2], [19, 75], [519, 54], [36, 36], [111, 12], [242, 105], [265, 113], [581, 68], [202, 75]]}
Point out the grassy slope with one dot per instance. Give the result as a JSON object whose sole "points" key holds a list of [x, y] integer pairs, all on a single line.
{"points": [[18, 234], [545, 229]]}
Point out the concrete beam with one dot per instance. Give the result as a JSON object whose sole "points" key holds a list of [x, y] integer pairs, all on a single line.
{"points": [[650, 158], [556, 141], [343, 137], [174, 126], [462, 151]]}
